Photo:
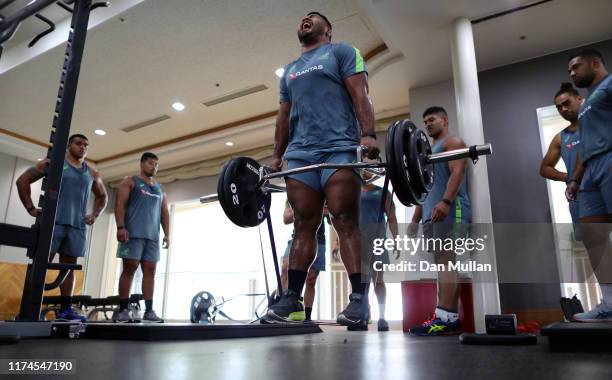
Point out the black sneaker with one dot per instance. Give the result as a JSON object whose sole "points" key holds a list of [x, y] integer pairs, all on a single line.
{"points": [[288, 308], [355, 314], [383, 325]]}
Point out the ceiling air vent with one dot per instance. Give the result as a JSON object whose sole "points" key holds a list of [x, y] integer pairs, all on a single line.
{"points": [[146, 123], [235, 95]]}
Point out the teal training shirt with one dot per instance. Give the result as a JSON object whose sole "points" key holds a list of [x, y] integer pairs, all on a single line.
{"points": [[570, 143], [74, 196], [460, 209], [595, 120], [143, 214], [322, 114], [369, 209]]}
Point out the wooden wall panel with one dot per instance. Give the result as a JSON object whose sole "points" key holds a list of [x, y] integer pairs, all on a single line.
{"points": [[12, 277]]}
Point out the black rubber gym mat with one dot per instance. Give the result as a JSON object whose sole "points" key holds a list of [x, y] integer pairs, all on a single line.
{"points": [[182, 331], [579, 337], [498, 340]]}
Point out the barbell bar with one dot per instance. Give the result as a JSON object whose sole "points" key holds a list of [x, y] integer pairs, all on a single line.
{"points": [[244, 188]]}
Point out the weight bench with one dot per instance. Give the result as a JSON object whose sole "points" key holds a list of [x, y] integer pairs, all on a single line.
{"points": [[104, 305], [53, 303]]}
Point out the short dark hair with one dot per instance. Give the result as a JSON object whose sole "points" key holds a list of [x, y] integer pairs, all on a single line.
{"points": [[588, 54], [146, 155], [435, 110], [77, 135], [320, 15], [567, 88]]}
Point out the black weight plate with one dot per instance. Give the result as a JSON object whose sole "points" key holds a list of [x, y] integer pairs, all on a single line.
{"points": [[394, 168], [224, 201], [401, 143], [389, 149], [221, 185], [242, 201], [201, 305], [421, 172]]}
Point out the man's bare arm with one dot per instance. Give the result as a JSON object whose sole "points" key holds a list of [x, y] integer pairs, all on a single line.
{"points": [[281, 133], [165, 220], [550, 160], [123, 196], [100, 195], [24, 181], [456, 167]]}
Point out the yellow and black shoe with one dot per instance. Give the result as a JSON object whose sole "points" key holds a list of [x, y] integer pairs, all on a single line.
{"points": [[434, 326], [289, 308]]}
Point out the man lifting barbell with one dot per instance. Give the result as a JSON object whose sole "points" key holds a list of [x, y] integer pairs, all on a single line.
{"points": [[323, 104]]}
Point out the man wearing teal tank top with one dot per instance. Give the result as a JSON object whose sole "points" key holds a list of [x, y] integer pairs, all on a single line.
{"points": [[71, 219], [140, 209], [591, 182], [565, 145], [445, 213], [371, 229]]}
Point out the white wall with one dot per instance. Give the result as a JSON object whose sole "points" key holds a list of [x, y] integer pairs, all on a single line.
{"points": [[12, 212], [11, 209], [440, 94]]}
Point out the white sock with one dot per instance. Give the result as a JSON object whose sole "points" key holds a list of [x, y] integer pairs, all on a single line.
{"points": [[381, 311], [606, 293], [445, 315]]}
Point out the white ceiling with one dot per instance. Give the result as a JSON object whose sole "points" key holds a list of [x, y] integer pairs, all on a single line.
{"points": [[164, 51], [420, 30]]}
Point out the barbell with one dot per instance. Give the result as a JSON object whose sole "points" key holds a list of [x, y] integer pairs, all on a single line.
{"points": [[245, 192]]}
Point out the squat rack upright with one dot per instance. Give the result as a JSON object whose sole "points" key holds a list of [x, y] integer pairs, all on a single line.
{"points": [[37, 238]]}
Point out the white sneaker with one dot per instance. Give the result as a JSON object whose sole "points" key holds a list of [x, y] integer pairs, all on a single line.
{"points": [[150, 316], [121, 316], [136, 314], [601, 313]]}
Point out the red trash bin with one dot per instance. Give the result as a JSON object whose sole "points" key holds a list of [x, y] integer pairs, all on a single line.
{"points": [[419, 300]]}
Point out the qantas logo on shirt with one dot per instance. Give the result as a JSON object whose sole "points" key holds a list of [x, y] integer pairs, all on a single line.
{"points": [[144, 191], [305, 71], [147, 193], [572, 144], [581, 114]]}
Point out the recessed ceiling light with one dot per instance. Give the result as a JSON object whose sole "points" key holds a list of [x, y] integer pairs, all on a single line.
{"points": [[100, 132], [279, 72], [229, 143], [178, 106], [39, 159]]}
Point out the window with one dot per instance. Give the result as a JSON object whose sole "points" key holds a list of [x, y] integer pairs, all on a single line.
{"points": [[572, 256], [212, 254], [209, 253]]}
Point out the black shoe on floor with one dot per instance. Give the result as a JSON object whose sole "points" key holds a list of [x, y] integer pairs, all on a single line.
{"points": [[288, 308], [355, 314], [383, 325]]}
